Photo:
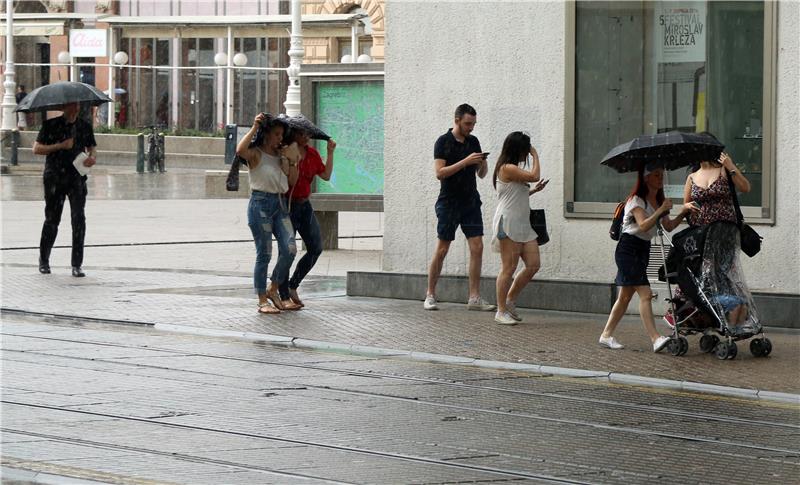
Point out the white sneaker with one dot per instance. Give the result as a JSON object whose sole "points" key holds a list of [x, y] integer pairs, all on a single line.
{"points": [[480, 305], [430, 303], [611, 343], [512, 310], [660, 343], [504, 318]]}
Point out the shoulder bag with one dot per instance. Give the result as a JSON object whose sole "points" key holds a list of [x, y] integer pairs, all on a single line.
{"points": [[539, 224], [750, 239]]}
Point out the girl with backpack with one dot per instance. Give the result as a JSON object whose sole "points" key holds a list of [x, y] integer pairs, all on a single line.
{"points": [[645, 207]]}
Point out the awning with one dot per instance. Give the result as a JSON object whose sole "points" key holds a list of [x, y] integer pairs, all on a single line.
{"points": [[318, 25], [44, 24], [32, 29], [189, 26]]}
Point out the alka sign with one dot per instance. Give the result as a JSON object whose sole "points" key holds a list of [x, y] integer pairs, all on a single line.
{"points": [[88, 43]]}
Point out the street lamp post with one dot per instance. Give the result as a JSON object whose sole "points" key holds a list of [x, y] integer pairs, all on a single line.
{"points": [[296, 53], [9, 84]]}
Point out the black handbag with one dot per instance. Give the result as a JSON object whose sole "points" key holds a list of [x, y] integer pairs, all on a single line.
{"points": [[750, 239], [232, 182], [539, 224]]}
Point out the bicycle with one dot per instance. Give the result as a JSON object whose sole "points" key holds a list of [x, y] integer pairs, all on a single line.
{"points": [[154, 148]]}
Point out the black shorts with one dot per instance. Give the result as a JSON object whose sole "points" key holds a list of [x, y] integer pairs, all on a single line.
{"points": [[450, 215], [632, 256]]}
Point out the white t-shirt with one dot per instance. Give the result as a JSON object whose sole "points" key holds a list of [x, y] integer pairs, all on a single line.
{"points": [[629, 225]]}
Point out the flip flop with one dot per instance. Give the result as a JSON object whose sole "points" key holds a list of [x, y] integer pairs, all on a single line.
{"points": [[295, 298], [267, 309], [290, 306], [275, 298]]}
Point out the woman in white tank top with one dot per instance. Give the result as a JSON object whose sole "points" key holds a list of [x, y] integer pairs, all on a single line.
{"points": [[513, 235], [271, 173]]}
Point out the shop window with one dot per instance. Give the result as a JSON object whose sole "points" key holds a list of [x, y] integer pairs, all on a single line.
{"points": [[650, 67]]}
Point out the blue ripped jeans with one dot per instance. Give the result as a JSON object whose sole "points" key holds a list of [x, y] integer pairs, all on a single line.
{"points": [[304, 222], [267, 215]]}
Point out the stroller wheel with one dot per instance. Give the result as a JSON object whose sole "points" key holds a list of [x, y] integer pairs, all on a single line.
{"points": [[721, 351], [732, 350], [674, 346], [760, 347], [684, 344], [708, 342]]}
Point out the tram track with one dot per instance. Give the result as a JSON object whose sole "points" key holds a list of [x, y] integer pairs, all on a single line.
{"points": [[735, 449], [727, 419], [517, 474]]}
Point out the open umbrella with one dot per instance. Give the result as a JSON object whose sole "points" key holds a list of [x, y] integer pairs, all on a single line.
{"points": [[53, 96], [300, 122], [670, 150]]}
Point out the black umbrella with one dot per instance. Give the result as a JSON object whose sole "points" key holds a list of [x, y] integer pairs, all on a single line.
{"points": [[54, 96], [669, 150], [300, 122]]}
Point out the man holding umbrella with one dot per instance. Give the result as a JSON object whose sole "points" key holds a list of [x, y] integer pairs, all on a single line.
{"points": [[69, 145], [61, 140]]}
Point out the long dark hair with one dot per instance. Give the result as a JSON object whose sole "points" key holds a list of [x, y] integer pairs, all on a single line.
{"points": [[516, 148], [267, 125], [714, 162], [640, 189]]}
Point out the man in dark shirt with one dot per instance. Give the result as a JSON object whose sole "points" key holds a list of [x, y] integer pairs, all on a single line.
{"points": [[61, 140], [457, 159]]}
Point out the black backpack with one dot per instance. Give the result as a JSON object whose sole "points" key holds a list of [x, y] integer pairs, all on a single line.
{"points": [[616, 223]]}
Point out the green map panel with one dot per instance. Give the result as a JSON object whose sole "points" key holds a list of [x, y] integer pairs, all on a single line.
{"points": [[352, 114]]}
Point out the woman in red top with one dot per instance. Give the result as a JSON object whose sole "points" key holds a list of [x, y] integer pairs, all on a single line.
{"points": [[302, 213]]}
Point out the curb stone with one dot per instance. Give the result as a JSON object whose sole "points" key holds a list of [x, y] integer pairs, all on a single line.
{"points": [[367, 351]]}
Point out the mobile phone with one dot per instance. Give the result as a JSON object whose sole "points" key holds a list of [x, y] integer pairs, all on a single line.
{"points": [[695, 204], [485, 154]]}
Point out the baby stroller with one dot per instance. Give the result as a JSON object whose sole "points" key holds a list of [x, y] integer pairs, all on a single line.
{"points": [[712, 297]]}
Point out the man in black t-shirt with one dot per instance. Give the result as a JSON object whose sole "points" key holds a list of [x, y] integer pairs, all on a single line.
{"points": [[457, 159], [61, 140]]}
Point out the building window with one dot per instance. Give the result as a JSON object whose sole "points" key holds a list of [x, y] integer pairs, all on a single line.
{"points": [[649, 67]]}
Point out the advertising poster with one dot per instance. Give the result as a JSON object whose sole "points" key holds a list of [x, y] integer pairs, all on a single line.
{"points": [[681, 31]]}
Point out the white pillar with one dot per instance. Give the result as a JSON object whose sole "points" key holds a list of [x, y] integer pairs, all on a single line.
{"points": [[229, 84], [112, 49], [9, 84], [354, 40], [296, 53], [176, 75]]}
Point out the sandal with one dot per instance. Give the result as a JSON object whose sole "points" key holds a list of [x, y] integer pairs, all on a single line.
{"points": [[295, 297], [275, 298], [267, 309], [291, 306]]}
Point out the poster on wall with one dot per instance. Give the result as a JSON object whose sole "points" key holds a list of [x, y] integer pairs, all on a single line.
{"points": [[680, 31]]}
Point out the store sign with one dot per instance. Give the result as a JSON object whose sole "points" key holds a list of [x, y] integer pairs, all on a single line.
{"points": [[681, 31], [88, 43]]}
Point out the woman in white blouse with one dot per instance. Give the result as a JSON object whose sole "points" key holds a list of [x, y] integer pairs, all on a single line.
{"points": [[271, 173]]}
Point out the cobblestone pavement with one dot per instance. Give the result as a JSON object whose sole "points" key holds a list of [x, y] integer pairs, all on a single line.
{"points": [[128, 404], [211, 301]]}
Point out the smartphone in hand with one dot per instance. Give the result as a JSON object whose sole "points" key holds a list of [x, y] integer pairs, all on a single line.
{"points": [[485, 154]]}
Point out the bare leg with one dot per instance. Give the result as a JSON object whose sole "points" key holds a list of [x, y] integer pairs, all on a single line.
{"points": [[646, 311], [530, 256], [475, 261], [624, 295], [509, 258], [435, 269]]}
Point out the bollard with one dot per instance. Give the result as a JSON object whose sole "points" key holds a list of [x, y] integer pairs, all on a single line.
{"points": [[140, 153], [15, 140]]}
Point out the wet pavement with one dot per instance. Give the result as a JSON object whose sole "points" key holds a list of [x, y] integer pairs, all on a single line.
{"points": [[127, 404], [25, 183]]}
